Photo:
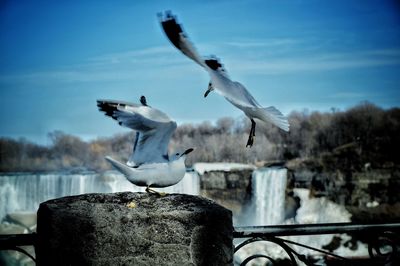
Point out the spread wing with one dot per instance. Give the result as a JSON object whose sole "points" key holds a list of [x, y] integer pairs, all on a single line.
{"points": [[154, 129], [178, 38], [233, 91]]}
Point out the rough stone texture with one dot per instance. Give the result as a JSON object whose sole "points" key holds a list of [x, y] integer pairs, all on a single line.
{"points": [[99, 229]]}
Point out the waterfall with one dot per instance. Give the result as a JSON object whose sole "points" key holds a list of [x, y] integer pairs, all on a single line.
{"points": [[268, 195], [190, 184], [25, 191]]}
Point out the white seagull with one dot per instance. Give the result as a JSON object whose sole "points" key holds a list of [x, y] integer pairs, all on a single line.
{"points": [[233, 91], [149, 165]]}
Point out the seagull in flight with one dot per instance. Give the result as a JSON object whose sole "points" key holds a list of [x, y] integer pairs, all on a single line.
{"points": [[149, 165], [233, 91]]}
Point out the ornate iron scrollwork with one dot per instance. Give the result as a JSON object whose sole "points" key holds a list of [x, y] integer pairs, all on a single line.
{"points": [[13, 242], [283, 243], [383, 241], [384, 249]]}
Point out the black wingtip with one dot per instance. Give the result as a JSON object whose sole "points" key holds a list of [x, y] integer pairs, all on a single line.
{"points": [[166, 15], [99, 102], [107, 107], [213, 63], [171, 28]]}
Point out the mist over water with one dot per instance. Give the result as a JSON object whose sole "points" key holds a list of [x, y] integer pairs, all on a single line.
{"points": [[24, 192]]}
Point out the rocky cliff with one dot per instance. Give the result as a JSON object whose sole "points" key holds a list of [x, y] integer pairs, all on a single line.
{"points": [[366, 192]]}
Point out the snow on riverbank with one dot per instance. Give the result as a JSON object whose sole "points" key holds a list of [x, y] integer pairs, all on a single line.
{"points": [[202, 168]]}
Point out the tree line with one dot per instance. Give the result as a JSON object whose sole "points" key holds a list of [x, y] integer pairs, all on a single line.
{"points": [[363, 134]]}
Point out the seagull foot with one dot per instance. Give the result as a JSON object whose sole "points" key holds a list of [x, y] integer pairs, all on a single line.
{"points": [[152, 191], [250, 141]]}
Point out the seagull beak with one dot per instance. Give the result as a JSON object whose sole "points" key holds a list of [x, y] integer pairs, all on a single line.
{"points": [[187, 152], [209, 89]]}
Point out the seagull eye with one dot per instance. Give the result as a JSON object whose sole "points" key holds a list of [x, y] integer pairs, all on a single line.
{"points": [[177, 154]]}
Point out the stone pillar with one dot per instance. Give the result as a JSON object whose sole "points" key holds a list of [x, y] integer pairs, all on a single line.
{"points": [[134, 229]]}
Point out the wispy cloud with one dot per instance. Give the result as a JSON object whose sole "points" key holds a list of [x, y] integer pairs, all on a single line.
{"points": [[133, 54], [317, 62], [153, 62], [96, 75], [257, 43], [344, 95], [163, 62]]}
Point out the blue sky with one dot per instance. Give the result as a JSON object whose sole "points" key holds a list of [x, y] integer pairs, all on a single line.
{"points": [[57, 58]]}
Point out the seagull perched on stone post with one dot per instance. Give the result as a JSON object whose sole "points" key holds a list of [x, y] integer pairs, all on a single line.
{"points": [[149, 165], [233, 91]]}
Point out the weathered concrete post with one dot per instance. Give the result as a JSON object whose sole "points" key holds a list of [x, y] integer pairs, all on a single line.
{"points": [[100, 229]]}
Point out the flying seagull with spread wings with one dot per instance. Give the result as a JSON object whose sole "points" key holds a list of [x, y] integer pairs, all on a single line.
{"points": [[233, 91], [149, 165]]}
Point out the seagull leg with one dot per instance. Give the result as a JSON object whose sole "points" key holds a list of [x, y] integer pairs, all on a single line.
{"points": [[209, 89], [152, 191], [252, 134]]}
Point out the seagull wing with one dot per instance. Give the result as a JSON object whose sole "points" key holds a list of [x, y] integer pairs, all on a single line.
{"points": [[178, 38], [154, 130]]}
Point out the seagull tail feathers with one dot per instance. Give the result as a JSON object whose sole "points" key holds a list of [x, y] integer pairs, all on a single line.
{"points": [[273, 115], [123, 168]]}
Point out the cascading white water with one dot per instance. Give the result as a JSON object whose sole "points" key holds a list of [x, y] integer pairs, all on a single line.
{"points": [[190, 184], [312, 211], [268, 200], [24, 192]]}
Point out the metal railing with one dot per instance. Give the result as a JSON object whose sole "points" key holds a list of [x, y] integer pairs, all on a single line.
{"points": [[383, 242], [15, 242]]}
